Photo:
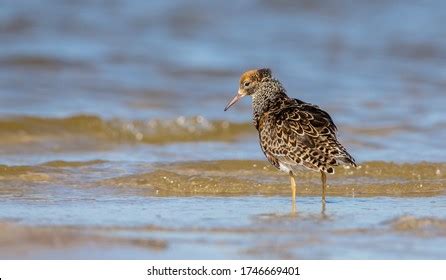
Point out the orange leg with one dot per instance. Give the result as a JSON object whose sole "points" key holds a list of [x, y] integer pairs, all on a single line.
{"points": [[293, 191], [324, 185]]}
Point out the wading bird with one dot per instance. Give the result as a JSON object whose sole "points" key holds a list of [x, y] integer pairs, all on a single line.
{"points": [[292, 133]]}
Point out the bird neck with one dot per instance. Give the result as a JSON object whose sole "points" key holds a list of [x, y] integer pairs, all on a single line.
{"points": [[269, 97]]}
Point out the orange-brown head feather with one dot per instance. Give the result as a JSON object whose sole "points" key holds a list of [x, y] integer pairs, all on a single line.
{"points": [[255, 75], [249, 83]]}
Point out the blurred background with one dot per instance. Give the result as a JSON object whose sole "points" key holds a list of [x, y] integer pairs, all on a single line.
{"points": [[99, 90], [378, 67]]}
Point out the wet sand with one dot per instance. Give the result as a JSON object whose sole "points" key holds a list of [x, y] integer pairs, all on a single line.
{"points": [[242, 227], [220, 209]]}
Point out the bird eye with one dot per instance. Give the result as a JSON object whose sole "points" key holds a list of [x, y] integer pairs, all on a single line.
{"points": [[246, 84]]}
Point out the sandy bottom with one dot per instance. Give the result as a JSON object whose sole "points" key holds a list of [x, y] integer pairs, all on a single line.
{"points": [[220, 209], [256, 227]]}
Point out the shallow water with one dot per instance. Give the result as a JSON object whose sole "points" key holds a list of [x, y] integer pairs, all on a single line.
{"points": [[114, 143], [236, 227], [220, 209]]}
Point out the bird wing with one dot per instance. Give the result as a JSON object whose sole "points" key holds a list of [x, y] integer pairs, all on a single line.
{"points": [[301, 134]]}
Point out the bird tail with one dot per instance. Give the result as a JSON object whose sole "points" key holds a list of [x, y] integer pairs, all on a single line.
{"points": [[347, 159]]}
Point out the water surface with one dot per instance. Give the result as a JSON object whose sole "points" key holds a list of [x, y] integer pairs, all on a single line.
{"points": [[114, 143]]}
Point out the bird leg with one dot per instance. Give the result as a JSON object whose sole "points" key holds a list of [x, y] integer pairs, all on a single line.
{"points": [[293, 191], [324, 186]]}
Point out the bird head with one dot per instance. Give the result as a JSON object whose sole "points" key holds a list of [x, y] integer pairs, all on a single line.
{"points": [[249, 84]]}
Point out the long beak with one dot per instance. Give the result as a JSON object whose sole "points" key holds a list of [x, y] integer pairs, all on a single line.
{"points": [[234, 100]]}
